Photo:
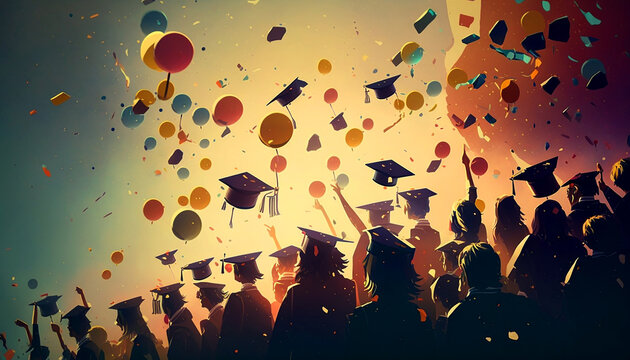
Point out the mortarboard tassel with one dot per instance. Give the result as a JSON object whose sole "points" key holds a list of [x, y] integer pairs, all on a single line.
{"points": [[231, 218], [223, 264], [513, 189], [224, 205], [294, 124], [181, 274], [397, 201], [262, 204], [367, 96], [157, 307], [273, 204]]}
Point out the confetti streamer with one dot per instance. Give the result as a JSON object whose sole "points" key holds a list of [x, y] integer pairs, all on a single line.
{"points": [[122, 69]]}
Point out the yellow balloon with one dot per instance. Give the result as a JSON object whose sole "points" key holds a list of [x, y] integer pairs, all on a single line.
{"points": [[456, 76], [205, 164], [146, 96], [324, 66], [407, 50], [199, 198], [167, 129], [399, 104], [148, 47], [480, 205], [354, 137], [275, 130], [162, 86], [182, 200], [533, 22], [414, 100]]}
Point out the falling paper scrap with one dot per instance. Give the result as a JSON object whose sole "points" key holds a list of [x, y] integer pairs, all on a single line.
{"points": [[534, 42], [512, 54], [424, 20], [588, 41], [589, 17], [490, 119], [470, 120], [498, 31], [465, 20], [276, 33], [60, 98], [559, 29], [122, 69], [550, 84], [397, 59], [434, 165], [314, 143], [46, 171], [470, 39]]}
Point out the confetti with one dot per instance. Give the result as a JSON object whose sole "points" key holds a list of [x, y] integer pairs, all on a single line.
{"points": [[122, 69], [60, 98]]}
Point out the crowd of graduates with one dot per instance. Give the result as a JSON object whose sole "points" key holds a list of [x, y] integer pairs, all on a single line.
{"points": [[552, 290]]}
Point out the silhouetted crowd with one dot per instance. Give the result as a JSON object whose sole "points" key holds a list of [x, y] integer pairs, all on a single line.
{"points": [[555, 290]]}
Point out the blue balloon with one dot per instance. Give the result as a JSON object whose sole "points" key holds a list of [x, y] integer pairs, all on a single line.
{"points": [[434, 88], [153, 21], [150, 143], [131, 120], [181, 103], [183, 173], [32, 284], [591, 67], [415, 56], [201, 116], [343, 180], [204, 143]]}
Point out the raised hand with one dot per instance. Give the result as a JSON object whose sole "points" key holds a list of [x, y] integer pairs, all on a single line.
{"points": [[465, 159], [271, 230], [336, 188], [318, 205], [21, 323], [79, 290]]}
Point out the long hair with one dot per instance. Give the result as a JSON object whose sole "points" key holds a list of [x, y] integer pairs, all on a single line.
{"points": [[132, 323], [550, 221], [215, 296], [287, 263], [465, 219], [248, 272], [173, 302], [390, 279], [620, 174], [320, 263]]}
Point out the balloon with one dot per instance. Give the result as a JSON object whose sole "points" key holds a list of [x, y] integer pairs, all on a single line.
{"points": [[147, 50], [414, 100], [117, 257], [228, 268], [275, 130], [131, 120], [204, 143], [162, 86], [368, 124], [174, 52], [201, 116], [32, 284], [442, 149], [146, 96], [278, 163], [150, 143], [153, 209], [399, 104], [533, 22], [333, 163], [182, 200], [354, 137], [205, 164], [509, 91], [317, 189], [153, 21], [181, 103], [479, 166], [176, 157], [324, 66], [456, 76], [343, 180], [227, 110], [411, 53], [330, 96], [183, 173], [106, 274], [167, 129], [199, 198], [434, 88], [480, 205], [591, 67], [186, 225]]}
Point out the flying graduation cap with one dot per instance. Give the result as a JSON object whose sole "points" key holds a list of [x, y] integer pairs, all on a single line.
{"points": [[167, 258], [384, 244], [289, 94], [540, 178], [383, 88], [243, 191], [48, 305], [200, 269], [163, 291], [339, 123], [387, 172]]}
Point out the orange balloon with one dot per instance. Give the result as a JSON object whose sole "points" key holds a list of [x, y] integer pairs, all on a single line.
{"points": [[330, 96], [414, 100], [317, 189], [199, 198], [205, 164], [333, 163], [167, 129], [399, 104], [169, 93], [147, 48], [509, 91], [354, 137], [153, 209], [324, 66], [480, 205], [533, 22], [146, 96], [182, 200], [106, 275], [117, 257], [456, 76], [275, 130]]}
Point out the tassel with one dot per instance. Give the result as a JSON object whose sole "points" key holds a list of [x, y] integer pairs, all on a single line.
{"points": [[157, 307], [181, 274], [262, 205], [294, 124], [226, 131], [231, 218], [273, 205], [367, 96], [224, 205], [397, 196], [513, 189], [223, 264]]}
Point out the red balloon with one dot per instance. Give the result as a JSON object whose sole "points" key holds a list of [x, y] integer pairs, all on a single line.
{"points": [[317, 189], [330, 96], [153, 209], [278, 163], [227, 110], [173, 52], [442, 149], [479, 166], [333, 163], [368, 124]]}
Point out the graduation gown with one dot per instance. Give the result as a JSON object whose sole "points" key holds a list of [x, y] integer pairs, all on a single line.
{"points": [[582, 211], [143, 348], [246, 327], [210, 330], [88, 350], [37, 351], [426, 239], [621, 212], [311, 323], [376, 331], [184, 340]]}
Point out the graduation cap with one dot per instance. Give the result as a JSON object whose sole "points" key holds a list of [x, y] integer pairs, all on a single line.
{"points": [[498, 31], [587, 179], [128, 304], [417, 196], [540, 178], [452, 247], [383, 88], [534, 42], [243, 191], [312, 238], [139, 107], [163, 291], [381, 206], [167, 258], [209, 285], [76, 313], [387, 172], [290, 250], [48, 305], [243, 262], [288, 94], [550, 84], [385, 244], [339, 123], [200, 269], [559, 29]]}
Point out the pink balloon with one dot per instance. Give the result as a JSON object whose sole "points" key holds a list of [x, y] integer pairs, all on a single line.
{"points": [[330, 96], [442, 149], [479, 166], [278, 163], [333, 163], [173, 52], [227, 110], [368, 124]]}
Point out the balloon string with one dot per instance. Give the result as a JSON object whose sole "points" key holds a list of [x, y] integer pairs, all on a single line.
{"points": [[172, 274], [334, 177], [294, 124], [168, 80], [180, 121], [333, 110]]}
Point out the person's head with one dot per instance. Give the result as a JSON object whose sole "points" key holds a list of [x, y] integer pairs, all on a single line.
{"points": [[172, 302], [620, 174], [465, 220], [98, 335], [287, 263], [377, 218], [481, 266], [602, 233], [131, 322], [78, 326], [550, 221], [446, 291], [508, 212], [417, 208], [247, 273], [320, 262], [391, 278], [210, 297]]}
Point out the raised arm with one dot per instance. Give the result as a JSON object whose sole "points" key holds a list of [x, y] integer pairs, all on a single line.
{"points": [[24, 325], [611, 196], [319, 206], [472, 190], [271, 230], [80, 292], [352, 215]]}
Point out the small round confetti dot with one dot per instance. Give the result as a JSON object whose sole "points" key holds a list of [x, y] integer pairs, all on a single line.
{"points": [[103, 97], [92, 167], [113, 129], [160, 110], [70, 14], [122, 105], [203, 48]]}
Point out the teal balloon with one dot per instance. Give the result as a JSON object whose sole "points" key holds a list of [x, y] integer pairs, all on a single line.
{"points": [[416, 56], [343, 180], [32, 284], [201, 116], [183, 173], [204, 143], [153, 21], [150, 143], [592, 67], [434, 88], [181, 103], [131, 120]]}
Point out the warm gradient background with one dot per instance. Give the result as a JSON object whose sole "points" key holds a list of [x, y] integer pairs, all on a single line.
{"points": [[46, 236]]}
